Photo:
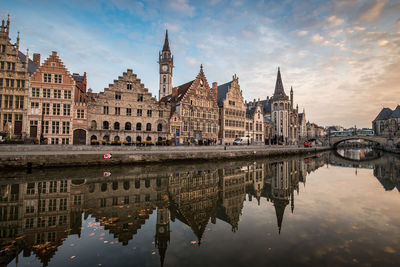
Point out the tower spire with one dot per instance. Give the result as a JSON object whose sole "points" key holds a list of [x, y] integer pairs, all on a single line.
{"points": [[166, 43], [279, 91]]}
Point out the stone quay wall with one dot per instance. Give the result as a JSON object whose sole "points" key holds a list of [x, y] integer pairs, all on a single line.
{"points": [[36, 156]]}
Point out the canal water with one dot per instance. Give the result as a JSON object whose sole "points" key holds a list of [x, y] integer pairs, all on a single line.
{"points": [[329, 209]]}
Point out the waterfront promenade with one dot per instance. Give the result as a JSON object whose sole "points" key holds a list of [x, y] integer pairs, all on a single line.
{"points": [[12, 156]]}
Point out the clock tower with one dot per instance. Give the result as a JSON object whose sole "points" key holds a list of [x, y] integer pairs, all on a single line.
{"points": [[162, 231], [166, 62]]}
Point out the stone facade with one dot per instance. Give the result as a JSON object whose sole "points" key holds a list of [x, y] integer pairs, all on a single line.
{"points": [[387, 123], [126, 111], [14, 79], [166, 62], [196, 105], [232, 111], [255, 123]]}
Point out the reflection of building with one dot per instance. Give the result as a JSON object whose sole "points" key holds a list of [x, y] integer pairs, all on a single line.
{"points": [[37, 216]]}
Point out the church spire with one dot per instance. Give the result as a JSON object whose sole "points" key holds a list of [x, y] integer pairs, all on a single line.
{"points": [[279, 91], [166, 43]]}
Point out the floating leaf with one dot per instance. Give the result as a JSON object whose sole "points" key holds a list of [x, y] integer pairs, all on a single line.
{"points": [[193, 242], [72, 257]]}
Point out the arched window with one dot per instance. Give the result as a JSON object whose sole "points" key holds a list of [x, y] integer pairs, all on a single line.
{"points": [[103, 187], [148, 127], [93, 137], [127, 185], [281, 106], [106, 138], [138, 126], [128, 126], [93, 125], [116, 138], [115, 185], [128, 139], [139, 139], [106, 125], [148, 138], [159, 127], [137, 183], [164, 79], [116, 125]]}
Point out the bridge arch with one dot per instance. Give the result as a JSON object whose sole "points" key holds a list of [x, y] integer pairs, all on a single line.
{"points": [[336, 140]]}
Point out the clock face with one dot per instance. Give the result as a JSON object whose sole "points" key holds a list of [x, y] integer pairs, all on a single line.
{"points": [[161, 230], [164, 67]]}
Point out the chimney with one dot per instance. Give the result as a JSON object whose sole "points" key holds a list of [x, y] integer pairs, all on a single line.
{"points": [[175, 92], [215, 89], [90, 90], [54, 53], [36, 59]]}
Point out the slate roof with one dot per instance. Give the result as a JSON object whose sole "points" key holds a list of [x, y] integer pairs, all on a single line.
{"points": [[250, 109], [384, 114], [279, 93], [301, 116], [396, 112], [266, 106], [31, 65], [78, 78], [182, 89], [222, 91], [166, 42]]}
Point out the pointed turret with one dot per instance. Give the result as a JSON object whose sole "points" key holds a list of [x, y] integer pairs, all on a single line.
{"points": [[279, 92], [166, 42], [291, 97], [280, 206]]}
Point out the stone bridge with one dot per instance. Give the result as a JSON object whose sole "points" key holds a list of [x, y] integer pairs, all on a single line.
{"points": [[381, 140]]}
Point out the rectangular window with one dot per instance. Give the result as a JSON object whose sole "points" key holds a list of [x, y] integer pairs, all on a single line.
{"points": [[29, 223], [67, 94], [160, 114], [117, 110], [1, 82], [2, 65], [105, 110], [46, 93], [115, 201], [128, 110], [35, 92], [80, 113], [19, 102], [30, 206], [42, 205], [65, 141], [41, 222], [54, 141], [126, 200], [52, 204], [52, 221], [1, 100], [56, 109], [63, 186], [149, 113], [13, 66], [63, 204], [139, 113], [129, 86], [8, 101], [53, 187], [117, 96], [65, 127], [57, 78], [77, 200], [7, 118], [47, 77], [46, 127], [55, 127], [66, 109], [140, 98], [57, 93], [9, 65], [103, 202], [46, 108], [62, 219]]}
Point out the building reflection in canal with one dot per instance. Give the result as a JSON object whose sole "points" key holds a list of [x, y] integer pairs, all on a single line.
{"points": [[36, 216]]}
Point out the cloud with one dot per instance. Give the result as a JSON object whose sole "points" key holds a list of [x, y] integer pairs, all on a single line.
{"points": [[302, 33], [374, 11], [182, 6], [335, 21], [319, 39], [383, 42]]}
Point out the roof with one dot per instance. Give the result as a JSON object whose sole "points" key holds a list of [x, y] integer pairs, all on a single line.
{"points": [[166, 42], [384, 114], [222, 91], [279, 93], [266, 106], [250, 109], [32, 67], [301, 116], [396, 112], [78, 78]]}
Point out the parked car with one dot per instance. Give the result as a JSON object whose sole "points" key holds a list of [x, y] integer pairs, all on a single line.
{"points": [[307, 144], [241, 141]]}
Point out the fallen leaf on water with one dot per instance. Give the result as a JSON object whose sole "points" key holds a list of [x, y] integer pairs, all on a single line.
{"points": [[153, 242], [153, 252], [193, 242], [91, 234], [389, 250], [72, 257], [105, 242], [71, 245], [101, 238], [19, 237]]}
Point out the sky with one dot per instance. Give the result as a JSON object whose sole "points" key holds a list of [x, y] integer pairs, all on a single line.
{"points": [[342, 57]]}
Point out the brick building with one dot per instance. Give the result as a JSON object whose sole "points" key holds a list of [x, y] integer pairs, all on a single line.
{"points": [[126, 111]]}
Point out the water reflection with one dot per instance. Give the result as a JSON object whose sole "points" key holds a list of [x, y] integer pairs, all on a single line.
{"points": [[37, 213]]}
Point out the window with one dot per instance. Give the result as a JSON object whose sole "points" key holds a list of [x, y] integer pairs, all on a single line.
{"points": [[66, 109], [105, 110], [115, 201], [77, 200], [51, 221], [46, 108], [138, 126], [2, 65], [57, 78], [19, 102], [148, 127], [137, 198], [52, 204], [29, 223], [33, 104], [160, 114], [30, 206], [117, 96], [140, 98], [7, 118], [54, 141], [46, 93], [67, 94], [8, 101], [56, 109], [128, 126], [103, 202], [63, 204], [42, 205], [55, 127], [128, 112], [126, 200], [46, 127], [47, 77], [117, 111], [129, 86], [53, 187], [80, 113], [63, 186], [65, 127], [159, 127], [65, 141], [35, 92], [116, 125], [149, 113], [57, 93], [62, 219], [105, 125], [1, 82], [139, 113]]}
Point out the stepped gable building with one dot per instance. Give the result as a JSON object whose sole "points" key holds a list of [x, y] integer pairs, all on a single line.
{"points": [[255, 122], [166, 62], [14, 79], [80, 112], [126, 111], [387, 123], [232, 111], [52, 111], [196, 105]]}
